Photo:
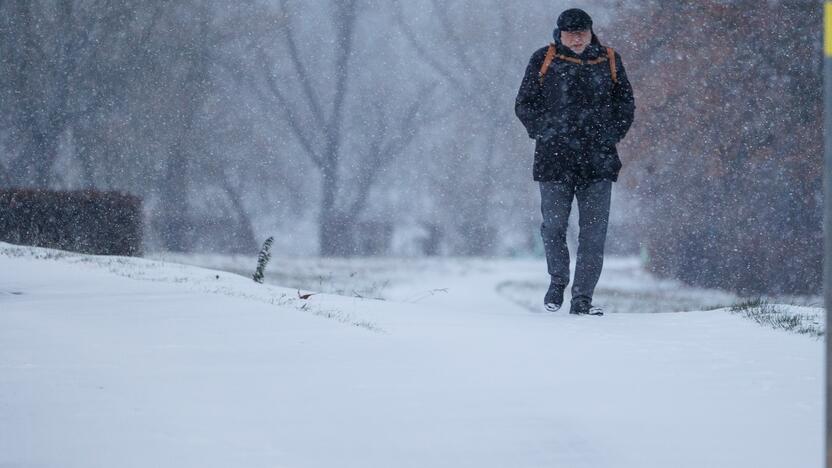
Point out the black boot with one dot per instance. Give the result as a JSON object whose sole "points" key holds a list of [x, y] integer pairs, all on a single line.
{"points": [[583, 306], [554, 297]]}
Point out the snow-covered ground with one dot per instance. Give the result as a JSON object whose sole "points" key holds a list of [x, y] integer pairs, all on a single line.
{"points": [[624, 286], [114, 362]]}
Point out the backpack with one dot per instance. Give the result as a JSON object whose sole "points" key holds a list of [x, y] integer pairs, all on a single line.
{"points": [[551, 54]]}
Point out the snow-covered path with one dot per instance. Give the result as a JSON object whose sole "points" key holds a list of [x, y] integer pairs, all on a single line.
{"points": [[109, 362]]}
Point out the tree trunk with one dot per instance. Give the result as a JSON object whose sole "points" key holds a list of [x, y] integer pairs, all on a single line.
{"points": [[335, 235], [477, 228], [245, 241], [34, 166], [174, 223], [84, 141]]}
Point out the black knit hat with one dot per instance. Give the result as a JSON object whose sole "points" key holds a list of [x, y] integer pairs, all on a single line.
{"points": [[574, 19]]}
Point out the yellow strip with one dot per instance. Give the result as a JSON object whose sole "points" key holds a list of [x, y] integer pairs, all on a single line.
{"points": [[827, 29]]}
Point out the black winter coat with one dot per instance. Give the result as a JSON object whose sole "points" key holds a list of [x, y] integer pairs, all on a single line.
{"points": [[577, 115]]}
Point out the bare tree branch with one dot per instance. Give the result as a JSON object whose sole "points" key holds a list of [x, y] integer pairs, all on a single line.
{"points": [[243, 218], [458, 46], [290, 114], [410, 121], [373, 161], [425, 54], [384, 150], [304, 78], [345, 17]]}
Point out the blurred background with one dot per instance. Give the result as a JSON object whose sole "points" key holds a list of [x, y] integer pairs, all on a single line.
{"points": [[355, 128]]}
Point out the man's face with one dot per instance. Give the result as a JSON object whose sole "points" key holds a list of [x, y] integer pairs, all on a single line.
{"points": [[576, 40]]}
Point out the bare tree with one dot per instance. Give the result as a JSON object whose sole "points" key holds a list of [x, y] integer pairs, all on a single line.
{"points": [[62, 64], [194, 87], [319, 127], [274, 119], [472, 63], [196, 70]]}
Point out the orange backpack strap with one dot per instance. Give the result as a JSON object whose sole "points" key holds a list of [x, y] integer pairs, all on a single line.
{"points": [[550, 55], [613, 67]]}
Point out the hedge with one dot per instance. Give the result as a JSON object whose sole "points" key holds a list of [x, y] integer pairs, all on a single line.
{"points": [[86, 221]]}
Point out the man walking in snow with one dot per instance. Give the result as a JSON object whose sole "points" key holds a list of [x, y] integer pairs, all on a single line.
{"points": [[577, 104]]}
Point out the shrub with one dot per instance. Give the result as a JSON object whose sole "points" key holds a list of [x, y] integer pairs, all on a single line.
{"points": [[86, 221], [725, 151], [765, 313], [263, 260]]}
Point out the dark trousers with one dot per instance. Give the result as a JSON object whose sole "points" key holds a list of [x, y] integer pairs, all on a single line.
{"points": [[593, 216]]}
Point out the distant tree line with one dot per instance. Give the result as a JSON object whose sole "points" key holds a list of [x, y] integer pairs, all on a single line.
{"points": [[116, 95], [326, 120]]}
